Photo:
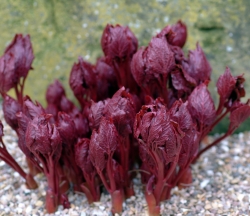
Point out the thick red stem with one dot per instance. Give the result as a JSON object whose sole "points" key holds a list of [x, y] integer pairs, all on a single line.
{"points": [[160, 179], [5, 156], [52, 194], [117, 198], [74, 172], [110, 175], [18, 95], [165, 91], [153, 207], [210, 146], [33, 170], [21, 90], [105, 183], [125, 149], [92, 187], [118, 74], [210, 128]]}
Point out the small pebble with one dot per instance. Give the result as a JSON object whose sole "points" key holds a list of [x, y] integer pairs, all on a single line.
{"points": [[204, 183], [39, 203], [102, 207]]}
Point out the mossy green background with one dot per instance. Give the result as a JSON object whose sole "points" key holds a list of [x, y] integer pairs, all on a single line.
{"points": [[61, 30]]}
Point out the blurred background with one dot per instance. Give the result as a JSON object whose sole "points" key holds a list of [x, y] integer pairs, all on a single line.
{"points": [[62, 30]]}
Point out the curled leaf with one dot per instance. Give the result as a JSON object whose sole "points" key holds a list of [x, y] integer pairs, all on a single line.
{"points": [[106, 80], [238, 116], [201, 106], [95, 113], [7, 73], [82, 156], [21, 51], [54, 93], [197, 65], [83, 81], [81, 124], [118, 42], [31, 109], [121, 109], [66, 127], [176, 35], [150, 67], [182, 82], [43, 138], [225, 84], [103, 143]]}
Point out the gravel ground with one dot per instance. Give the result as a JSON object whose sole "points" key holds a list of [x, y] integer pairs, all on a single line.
{"points": [[221, 186]]}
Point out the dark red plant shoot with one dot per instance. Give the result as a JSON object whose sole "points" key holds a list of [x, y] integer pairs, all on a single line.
{"points": [[91, 187], [102, 147], [149, 108], [119, 44], [67, 130], [8, 159], [44, 141], [14, 67], [160, 140]]}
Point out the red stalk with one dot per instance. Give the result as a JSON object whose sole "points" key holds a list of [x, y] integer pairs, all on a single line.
{"points": [[160, 179], [117, 196], [211, 145], [104, 180], [52, 194], [63, 180], [86, 190], [125, 149], [214, 124], [33, 170], [90, 188], [153, 207], [5, 156], [164, 92]]}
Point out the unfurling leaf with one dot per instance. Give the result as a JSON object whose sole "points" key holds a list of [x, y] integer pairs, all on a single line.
{"points": [[96, 113], [82, 156], [121, 109], [226, 84], [54, 93], [176, 35], [21, 50], [103, 143], [83, 81], [201, 106], [197, 65], [7, 73], [239, 115], [118, 42]]}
